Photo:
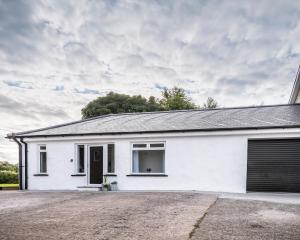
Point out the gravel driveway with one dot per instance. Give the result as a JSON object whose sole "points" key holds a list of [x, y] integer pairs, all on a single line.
{"points": [[94, 215]]}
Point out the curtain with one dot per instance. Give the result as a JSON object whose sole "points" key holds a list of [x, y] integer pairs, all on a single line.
{"points": [[135, 161]]}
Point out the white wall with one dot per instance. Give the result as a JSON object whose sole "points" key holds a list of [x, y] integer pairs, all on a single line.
{"points": [[59, 167], [197, 162]]}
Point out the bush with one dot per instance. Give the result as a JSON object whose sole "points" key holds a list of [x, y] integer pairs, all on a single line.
{"points": [[6, 166], [8, 177]]}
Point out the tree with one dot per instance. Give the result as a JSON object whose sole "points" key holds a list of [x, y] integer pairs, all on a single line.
{"points": [[172, 99], [210, 103], [6, 166], [120, 103], [176, 99], [8, 172]]}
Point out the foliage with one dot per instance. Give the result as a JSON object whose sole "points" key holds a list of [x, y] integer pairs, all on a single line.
{"points": [[8, 177], [176, 99], [120, 103], [210, 103], [8, 172], [172, 99], [6, 166]]}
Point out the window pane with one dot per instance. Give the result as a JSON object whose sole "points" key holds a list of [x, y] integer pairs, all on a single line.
{"points": [[80, 160], [110, 158], [43, 162], [42, 147], [139, 145], [148, 161], [156, 145]]}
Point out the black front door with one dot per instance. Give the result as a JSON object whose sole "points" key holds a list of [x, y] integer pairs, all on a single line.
{"points": [[96, 165]]}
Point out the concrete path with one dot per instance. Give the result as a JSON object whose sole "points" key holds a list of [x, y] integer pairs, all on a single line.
{"points": [[288, 198], [244, 219]]}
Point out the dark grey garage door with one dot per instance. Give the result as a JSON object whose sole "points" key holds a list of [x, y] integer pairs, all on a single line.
{"points": [[273, 165]]}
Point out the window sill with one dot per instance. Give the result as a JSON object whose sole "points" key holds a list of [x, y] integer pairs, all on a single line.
{"points": [[147, 175], [41, 174], [110, 175], [78, 175]]}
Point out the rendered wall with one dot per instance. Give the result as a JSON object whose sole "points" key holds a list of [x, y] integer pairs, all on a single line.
{"points": [[204, 163]]}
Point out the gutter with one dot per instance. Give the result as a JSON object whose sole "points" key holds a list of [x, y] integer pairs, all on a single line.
{"points": [[13, 137], [26, 163]]}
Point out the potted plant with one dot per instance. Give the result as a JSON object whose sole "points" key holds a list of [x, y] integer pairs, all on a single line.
{"points": [[106, 184]]}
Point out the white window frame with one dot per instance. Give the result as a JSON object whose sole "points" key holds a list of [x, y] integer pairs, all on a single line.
{"points": [[114, 153], [39, 158], [148, 148], [77, 158]]}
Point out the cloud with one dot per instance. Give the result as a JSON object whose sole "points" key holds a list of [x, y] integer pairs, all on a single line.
{"points": [[7, 103], [18, 84], [86, 91], [56, 56], [59, 88]]}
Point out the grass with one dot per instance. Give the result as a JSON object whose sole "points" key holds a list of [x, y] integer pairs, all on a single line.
{"points": [[9, 185]]}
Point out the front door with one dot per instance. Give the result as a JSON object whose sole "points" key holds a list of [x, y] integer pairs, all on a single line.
{"points": [[96, 164]]}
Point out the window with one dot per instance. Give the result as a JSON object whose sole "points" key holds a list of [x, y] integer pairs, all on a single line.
{"points": [[140, 145], [80, 158], [148, 159], [42, 159], [110, 158]]}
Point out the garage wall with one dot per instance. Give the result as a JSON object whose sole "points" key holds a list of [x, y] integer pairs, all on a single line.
{"points": [[203, 163]]}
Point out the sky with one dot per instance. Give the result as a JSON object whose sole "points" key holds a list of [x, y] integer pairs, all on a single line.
{"points": [[56, 56]]}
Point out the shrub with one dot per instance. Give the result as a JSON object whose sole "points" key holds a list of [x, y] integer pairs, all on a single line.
{"points": [[6, 166], [8, 177]]}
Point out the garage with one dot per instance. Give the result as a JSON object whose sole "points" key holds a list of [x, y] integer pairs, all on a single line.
{"points": [[273, 165]]}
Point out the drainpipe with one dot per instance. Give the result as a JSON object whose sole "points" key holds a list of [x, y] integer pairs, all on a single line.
{"points": [[20, 162], [26, 163]]}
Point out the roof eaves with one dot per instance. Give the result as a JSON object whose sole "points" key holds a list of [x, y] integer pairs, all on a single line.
{"points": [[296, 88], [160, 131]]}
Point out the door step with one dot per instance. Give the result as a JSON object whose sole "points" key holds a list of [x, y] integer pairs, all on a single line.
{"points": [[90, 188]]}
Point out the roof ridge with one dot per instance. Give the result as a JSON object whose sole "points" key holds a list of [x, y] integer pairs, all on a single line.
{"points": [[153, 112]]}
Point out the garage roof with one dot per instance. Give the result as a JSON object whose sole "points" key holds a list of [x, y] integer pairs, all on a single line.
{"points": [[261, 117]]}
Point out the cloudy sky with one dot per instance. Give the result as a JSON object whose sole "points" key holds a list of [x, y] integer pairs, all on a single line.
{"points": [[55, 56]]}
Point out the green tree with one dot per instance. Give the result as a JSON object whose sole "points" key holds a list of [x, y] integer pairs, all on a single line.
{"points": [[210, 103], [8, 172], [176, 99], [6, 166], [120, 103], [172, 99]]}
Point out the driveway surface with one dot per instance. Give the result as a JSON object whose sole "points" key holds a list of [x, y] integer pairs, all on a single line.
{"points": [[142, 215], [96, 215], [248, 219]]}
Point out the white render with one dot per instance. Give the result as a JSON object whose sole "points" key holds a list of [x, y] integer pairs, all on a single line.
{"points": [[202, 161]]}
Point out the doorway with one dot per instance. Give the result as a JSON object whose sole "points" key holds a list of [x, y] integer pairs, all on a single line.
{"points": [[95, 164]]}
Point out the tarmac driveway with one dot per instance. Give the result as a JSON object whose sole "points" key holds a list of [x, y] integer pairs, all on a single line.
{"points": [[95, 215], [159, 215]]}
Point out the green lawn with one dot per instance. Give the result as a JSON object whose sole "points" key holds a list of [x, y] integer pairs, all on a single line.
{"points": [[9, 185]]}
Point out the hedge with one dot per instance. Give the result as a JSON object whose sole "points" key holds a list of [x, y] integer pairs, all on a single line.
{"points": [[8, 177]]}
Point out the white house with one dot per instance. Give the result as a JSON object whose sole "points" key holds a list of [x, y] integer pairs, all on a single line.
{"points": [[228, 150]]}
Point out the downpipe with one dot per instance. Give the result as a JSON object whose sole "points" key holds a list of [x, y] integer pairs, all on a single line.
{"points": [[25, 163]]}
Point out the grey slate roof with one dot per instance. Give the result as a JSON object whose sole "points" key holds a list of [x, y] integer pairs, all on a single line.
{"points": [[276, 116]]}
